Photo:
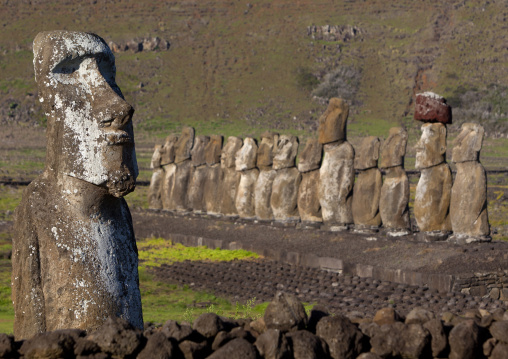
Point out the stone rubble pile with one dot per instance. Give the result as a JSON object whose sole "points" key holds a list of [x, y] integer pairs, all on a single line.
{"points": [[285, 331], [266, 181]]}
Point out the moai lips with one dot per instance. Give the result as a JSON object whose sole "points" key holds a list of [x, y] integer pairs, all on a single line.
{"points": [[332, 123], [74, 252], [431, 107]]}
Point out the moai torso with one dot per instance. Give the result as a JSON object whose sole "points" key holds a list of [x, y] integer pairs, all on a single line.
{"points": [[213, 176], [394, 199], [230, 177], [308, 198], [264, 183], [367, 188], [468, 204], [155, 189], [169, 167], [195, 193], [74, 253], [178, 196], [245, 164]]}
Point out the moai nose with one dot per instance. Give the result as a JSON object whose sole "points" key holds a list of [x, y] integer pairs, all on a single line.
{"points": [[117, 113]]}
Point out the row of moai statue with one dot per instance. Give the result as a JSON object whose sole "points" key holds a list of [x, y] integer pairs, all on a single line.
{"points": [[262, 182]]}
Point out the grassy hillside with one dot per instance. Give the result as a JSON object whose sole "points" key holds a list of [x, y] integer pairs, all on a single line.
{"points": [[241, 68]]}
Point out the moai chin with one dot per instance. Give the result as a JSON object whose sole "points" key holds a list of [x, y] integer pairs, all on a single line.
{"points": [[394, 200], [367, 188], [214, 175], [195, 191], [264, 183], [336, 175], [230, 177], [155, 189], [308, 196], [432, 199], [169, 167], [245, 163], [468, 204], [74, 252]]}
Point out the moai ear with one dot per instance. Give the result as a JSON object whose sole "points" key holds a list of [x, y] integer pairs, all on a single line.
{"points": [[442, 140], [479, 138]]}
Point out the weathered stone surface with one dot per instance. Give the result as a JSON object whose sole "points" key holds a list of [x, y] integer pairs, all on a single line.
{"points": [[439, 340], [272, 344], [419, 315], [161, 347], [463, 340], [416, 342], [208, 325], [332, 123], [118, 338], [367, 153], [432, 199], [386, 340], [468, 208], [73, 243], [229, 186], [366, 195], [310, 158], [431, 107], [266, 149], [284, 199], [343, 337], [246, 156], [394, 201], [285, 313], [7, 348], [244, 202], [155, 189], [193, 350], [168, 182], [500, 351], [184, 145], [213, 150], [236, 349], [263, 194], [198, 150], [306, 345], [499, 330], [336, 181], [211, 192], [431, 148], [386, 316], [228, 155], [172, 329], [53, 345], [393, 148], [178, 194], [168, 150], [285, 152], [309, 207], [156, 157], [196, 189]]}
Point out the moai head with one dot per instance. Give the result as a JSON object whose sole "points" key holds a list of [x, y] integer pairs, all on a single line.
{"points": [[266, 149], [168, 150], [184, 145], [156, 157], [393, 149], [198, 151], [367, 154], [228, 156], [468, 144], [310, 158], [246, 156], [89, 131], [213, 150], [431, 148], [285, 152], [332, 123]]}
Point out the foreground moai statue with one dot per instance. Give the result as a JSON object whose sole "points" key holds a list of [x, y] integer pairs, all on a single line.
{"points": [[432, 199], [309, 162], [74, 253], [284, 199], [245, 163], [169, 167], [199, 172], [394, 200], [155, 189], [230, 177], [264, 183], [337, 174], [468, 204], [183, 170], [213, 176], [367, 188]]}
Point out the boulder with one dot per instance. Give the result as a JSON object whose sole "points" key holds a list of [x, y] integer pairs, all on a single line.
{"points": [[236, 349], [439, 340], [161, 347], [500, 351], [172, 329], [272, 344], [285, 313], [464, 341], [419, 316], [7, 348], [343, 337], [499, 330], [208, 325], [332, 123], [118, 338], [386, 316], [431, 107], [52, 345], [306, 345]]}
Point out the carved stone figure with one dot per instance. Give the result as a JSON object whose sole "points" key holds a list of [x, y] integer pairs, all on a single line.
{"points": [[245, 164], [264, 183], [214, 175], [155, 189], [169, 167], [367, 188], [336, 175], [432, 199], [74, 253], [199, 172], [468, 204], [394, 200], [230, 177], [178, 194], [309, 161]]}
